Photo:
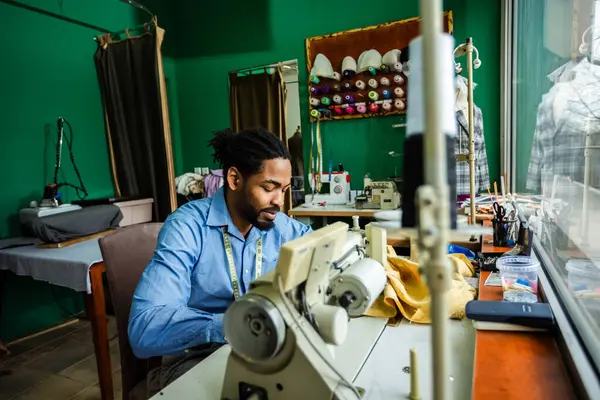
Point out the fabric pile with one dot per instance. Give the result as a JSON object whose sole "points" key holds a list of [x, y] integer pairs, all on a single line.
{"points": [[406, 294], [189, 183]]}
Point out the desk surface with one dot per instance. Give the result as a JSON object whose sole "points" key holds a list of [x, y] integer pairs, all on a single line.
{"points": [[331, 211], [381, 375], [520, 364]]}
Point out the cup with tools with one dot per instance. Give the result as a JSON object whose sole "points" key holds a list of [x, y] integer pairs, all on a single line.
{"points": [[504, 226]]}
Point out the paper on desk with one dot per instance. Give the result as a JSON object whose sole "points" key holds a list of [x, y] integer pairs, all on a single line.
{"points": [[493, 279]]}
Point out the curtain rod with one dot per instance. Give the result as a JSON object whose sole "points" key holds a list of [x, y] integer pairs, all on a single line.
{"points": [[287, 64], [72, 20]]}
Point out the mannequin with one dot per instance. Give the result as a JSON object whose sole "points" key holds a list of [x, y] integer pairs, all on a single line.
{"points": [[295, 147], [462, 143]]}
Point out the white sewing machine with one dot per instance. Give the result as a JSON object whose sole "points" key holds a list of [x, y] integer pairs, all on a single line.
{"points": [[283, 331], [379, 195], [338, 187]]}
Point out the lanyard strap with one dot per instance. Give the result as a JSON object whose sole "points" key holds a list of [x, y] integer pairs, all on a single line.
{"points": [[235, 285]]}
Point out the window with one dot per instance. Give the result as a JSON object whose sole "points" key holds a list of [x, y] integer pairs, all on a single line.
{"points": [[556, 146]]}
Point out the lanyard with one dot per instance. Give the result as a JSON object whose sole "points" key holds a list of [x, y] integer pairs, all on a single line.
{"points": [[232, 273]]}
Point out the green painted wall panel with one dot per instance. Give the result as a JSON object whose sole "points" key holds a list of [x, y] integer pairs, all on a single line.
{"points": [[47, 70], [220, 46]]}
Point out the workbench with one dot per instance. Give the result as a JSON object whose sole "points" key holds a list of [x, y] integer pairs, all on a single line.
{"points": [[383, 376], [307, 215]]}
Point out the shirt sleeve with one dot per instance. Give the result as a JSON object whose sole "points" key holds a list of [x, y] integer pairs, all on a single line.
{"points": [[160, 321]]}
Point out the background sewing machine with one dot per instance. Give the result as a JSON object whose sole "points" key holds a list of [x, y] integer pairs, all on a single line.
{"points": [[379, 195], [333, 191], [283, 332]]}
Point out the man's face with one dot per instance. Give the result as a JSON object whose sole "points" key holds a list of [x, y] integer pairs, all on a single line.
{"points": [[263, 193]]}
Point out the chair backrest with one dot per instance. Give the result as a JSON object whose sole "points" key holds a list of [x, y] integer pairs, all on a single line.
{"points": [[126, 254]]}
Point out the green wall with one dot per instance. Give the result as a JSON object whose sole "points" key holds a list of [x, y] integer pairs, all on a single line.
{"points": [[47, 70], [240, 35]]}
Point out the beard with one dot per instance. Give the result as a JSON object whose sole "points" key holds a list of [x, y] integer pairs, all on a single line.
{"points": [[253, 215]]}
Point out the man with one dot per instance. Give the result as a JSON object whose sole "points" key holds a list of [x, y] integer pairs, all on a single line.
{"points": [[207, 248]]}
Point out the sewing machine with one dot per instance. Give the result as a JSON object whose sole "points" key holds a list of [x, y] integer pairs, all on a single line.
{"points": [[283, 331], [379, 195], [338, 188]]}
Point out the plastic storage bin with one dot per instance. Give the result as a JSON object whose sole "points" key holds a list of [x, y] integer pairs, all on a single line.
{"points": [[584, 279], [135, 211], [519, 276]]}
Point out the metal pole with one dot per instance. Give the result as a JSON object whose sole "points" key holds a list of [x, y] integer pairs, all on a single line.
{"points": [[469, 50], [436, 265]]}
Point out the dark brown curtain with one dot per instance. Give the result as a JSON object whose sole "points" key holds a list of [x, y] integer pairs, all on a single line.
{"points": [[131, 79], [259, 99]]}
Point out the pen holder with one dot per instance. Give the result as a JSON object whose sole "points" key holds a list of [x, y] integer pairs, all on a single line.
{"points": [[504, 232]]}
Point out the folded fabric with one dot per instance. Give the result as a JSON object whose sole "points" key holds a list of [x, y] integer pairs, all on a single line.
{"points": [[406, 294], [189, 183]]}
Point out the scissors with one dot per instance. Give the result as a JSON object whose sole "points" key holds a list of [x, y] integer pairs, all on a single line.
{"points": [[500, 212]]}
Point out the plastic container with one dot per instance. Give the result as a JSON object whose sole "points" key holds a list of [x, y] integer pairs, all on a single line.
{"points": [[519, 275], [584, 279]]}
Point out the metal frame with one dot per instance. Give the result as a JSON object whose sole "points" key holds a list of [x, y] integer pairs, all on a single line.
{"points": [[507, 90], [577, 359]]}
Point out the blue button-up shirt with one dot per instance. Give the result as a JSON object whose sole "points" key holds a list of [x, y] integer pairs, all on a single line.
{"points": [[185, 289]]}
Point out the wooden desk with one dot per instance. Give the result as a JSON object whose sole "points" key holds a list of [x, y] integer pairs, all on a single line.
{"points": [[330, 211], [516, 365]]}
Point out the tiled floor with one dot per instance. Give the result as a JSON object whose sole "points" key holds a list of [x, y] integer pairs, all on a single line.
{"points": [[58, 365]]}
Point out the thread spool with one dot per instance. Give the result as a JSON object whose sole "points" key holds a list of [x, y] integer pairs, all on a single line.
{"points": [[314, 79], [325, 101], [399, 104], [337, 99], [349, 110], [384, 81], [349, 98], [399, 92], [360, 85], [314, 90], [348, 73], [325, 89], [385, 68], [386, 94], [347, 86], [373, 83], [374, 107], [315, 114], [372, 70], [397, 67], [336, 87], [387, 106], [361, 108], [398, 79], [373, 95], [338, 110], [314, 101], [337, 76]]}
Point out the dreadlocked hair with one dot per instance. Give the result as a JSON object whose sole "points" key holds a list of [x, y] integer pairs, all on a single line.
{"points": [[246, 150]]}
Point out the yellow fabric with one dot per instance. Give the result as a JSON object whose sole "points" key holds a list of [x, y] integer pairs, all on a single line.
{"points": [[406, 294]]}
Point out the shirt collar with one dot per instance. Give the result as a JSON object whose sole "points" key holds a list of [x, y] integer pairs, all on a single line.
{"points": [[218, 216]]}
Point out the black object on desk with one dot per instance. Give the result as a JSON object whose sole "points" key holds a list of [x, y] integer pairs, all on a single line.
{"points": [[532, 315]]}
